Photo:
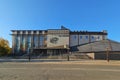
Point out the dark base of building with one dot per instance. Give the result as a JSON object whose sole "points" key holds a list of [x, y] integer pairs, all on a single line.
{"points": [[50, 52], [43, 52]]}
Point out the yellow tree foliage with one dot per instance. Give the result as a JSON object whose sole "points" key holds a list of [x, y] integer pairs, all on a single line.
{"points": [[4, 47]]}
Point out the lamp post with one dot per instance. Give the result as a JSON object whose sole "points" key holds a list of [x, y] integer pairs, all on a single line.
{"points": [[68, 58], [66, 47], [107, 54], [29, 57]]}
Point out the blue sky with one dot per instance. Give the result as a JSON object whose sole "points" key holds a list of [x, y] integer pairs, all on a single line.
{"points": [[90, 15]]}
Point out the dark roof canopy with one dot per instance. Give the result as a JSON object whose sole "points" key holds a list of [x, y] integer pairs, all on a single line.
{"points": [[88, 33]]}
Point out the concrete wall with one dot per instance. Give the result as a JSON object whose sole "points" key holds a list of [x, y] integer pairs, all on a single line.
{"points": [[73, 40], [96, 38], [91, 55], [84, 39], [112, 56], [76, 39], [61, 40]]}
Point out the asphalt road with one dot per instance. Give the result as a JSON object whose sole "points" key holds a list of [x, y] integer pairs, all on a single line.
{"points": [[59, 71]]}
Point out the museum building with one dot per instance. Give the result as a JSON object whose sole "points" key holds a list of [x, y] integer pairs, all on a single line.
{"points": [[52, 41]]}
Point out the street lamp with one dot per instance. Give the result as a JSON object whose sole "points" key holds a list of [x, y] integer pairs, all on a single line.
{"points": [[29, 53], [66, 47], [68, 56], [28, 50], [107, 54]]}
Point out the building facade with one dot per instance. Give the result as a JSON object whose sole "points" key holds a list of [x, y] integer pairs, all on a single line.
{"points": [[51, 41], [83, 37]]}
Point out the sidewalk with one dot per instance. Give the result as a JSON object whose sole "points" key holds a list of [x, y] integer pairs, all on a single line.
{"points": [[63, 61], [85, 62]]}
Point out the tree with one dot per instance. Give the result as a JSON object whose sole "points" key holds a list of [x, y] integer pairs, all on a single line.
{"points": [[4, 47]]}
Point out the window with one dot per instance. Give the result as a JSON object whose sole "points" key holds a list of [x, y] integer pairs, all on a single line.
{"points": [[86, 37], [92, 37], [80, 37], [35, 41], [41, 41], [98, 37], [17, 40], [28, 44], [75, 37], [23, 43]]}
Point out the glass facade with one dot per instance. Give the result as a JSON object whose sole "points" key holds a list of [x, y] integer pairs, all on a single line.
{"points": [[23, 43], [26, 40], [17, 47], [41, 41], [28, 44], [45, 40], [35, 41]]}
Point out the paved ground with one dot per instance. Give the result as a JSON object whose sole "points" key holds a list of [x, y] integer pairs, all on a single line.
{"points": [[62, 70]]}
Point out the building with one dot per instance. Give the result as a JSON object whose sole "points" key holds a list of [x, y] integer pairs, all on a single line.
{"points": [[83, 37], [52, 41], [99, 49]]}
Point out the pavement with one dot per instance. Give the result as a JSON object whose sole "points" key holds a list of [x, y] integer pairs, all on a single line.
{"points": [[64, 61], [60, 70]]}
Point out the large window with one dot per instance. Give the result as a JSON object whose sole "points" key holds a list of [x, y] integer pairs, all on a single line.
{"points": [[41, 41], [28, 44], [45, 41], [17, 40], [23, 43], [35, 44]]}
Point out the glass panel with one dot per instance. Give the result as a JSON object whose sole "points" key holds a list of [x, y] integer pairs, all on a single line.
{"points": [[28, 44], [35, 44], [17, 43], [23, 43], [41, 41]]}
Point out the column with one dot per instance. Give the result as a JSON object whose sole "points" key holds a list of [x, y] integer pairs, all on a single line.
{"points": [[13, 43], [38, 40], [26, 44], [32, 41], [21, 43]]}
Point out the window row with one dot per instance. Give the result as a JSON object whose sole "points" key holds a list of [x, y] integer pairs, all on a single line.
{"points": [[86, 37], [25, 42]]}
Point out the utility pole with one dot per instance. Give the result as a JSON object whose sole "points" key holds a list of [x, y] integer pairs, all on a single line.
{"points": [[68, 58], [109, 48], [29, 54], [107, 54]]}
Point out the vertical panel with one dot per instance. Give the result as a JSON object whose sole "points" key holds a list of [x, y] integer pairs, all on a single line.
{"points": [[28, 44], [35, 41], [23, 43], [17, 43], [41, 40], [13, 44]]}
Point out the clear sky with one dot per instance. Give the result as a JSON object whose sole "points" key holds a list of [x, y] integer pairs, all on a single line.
{"points": [[90, 15]]}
